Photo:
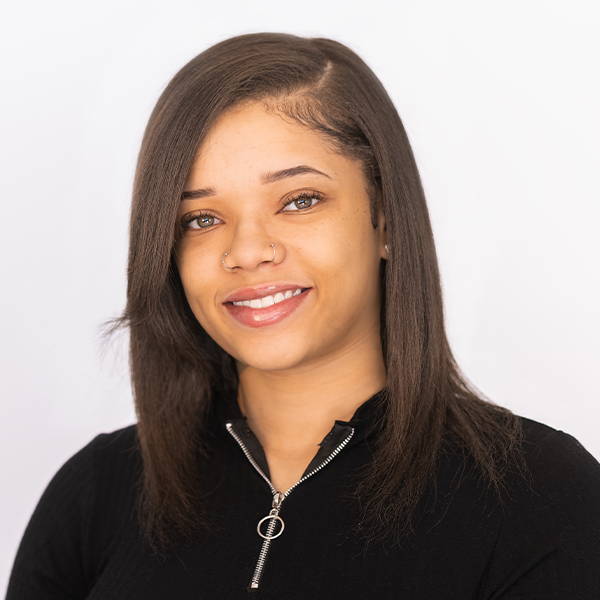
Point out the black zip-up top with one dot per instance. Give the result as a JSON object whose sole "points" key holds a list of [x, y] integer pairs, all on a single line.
{"points": [[83, 541], [335, 441]]}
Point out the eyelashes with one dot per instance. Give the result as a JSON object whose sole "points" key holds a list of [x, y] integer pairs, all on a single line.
{"points": [[302, 197]]}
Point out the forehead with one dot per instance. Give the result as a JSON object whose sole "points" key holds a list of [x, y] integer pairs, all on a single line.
{"points": [[247, 140]]}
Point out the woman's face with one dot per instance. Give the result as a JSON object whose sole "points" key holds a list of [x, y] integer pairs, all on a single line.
{"points": [[321, 224]]}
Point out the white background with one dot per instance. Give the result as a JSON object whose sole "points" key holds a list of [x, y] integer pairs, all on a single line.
{"points": [[500, 101]]}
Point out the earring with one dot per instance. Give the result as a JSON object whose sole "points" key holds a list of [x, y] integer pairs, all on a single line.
{"points": [[386, 248]]}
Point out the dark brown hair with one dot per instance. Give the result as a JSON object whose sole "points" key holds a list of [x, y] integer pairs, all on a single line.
{"points": [[177, 369]]}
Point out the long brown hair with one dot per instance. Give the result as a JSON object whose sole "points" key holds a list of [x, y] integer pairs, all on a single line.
{"points": [[177, 369]]}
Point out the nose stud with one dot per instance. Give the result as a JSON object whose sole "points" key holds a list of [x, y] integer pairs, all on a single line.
{"points": [[227, 254]]}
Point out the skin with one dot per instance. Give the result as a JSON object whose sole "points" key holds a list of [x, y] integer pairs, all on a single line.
{"points": [[322, 362]]}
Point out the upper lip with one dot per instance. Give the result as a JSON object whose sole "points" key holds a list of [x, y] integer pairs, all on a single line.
{"points": [[258, 291]]}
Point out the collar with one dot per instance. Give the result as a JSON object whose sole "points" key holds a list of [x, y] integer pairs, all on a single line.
{"points": [[364, 422]]}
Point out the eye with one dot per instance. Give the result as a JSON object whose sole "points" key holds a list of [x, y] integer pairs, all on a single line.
{"points": [[303, 198], [205, 220], [200, 219]]}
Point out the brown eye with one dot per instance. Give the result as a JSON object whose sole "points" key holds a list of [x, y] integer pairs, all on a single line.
{"points": [[304, 201], [199, 219]]}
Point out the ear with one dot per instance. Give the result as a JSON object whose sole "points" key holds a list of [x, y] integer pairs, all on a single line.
{"points": [[382, 234]]}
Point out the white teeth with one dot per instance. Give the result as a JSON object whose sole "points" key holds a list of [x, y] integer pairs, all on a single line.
{"points": [[269, 300]]}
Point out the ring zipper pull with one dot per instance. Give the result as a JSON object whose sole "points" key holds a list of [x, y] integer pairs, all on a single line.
{"points": [[273, 516]]}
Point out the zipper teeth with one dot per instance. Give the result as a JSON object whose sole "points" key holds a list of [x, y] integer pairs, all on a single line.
{"points": [[271, 526], [249, 456], [335, 451], [262, 557]]}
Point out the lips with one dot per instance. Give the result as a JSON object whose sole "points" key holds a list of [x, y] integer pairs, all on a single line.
{"points": [[259, 291], [268, 315]]}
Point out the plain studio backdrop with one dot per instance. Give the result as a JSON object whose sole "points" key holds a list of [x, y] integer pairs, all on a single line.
{"points": [[500, 102]]}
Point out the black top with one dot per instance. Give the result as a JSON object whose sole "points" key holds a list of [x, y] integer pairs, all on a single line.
{"points": [[82, 540]]}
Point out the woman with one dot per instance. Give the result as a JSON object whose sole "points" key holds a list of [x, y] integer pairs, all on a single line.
{"points": [[303, 429]]}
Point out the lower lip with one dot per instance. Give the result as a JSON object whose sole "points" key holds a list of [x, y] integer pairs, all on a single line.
{"points": [[260, 317]]}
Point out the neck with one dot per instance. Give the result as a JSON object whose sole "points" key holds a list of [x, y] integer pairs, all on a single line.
{"points": [[290, 413]]}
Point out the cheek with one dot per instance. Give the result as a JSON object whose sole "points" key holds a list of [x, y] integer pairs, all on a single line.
{"points": [[194, 273], [352, 264], [347, 249], [329, 243]]}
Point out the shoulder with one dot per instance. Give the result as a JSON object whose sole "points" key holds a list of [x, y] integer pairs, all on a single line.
{"points": [[88, 500], [562, 484], [122, 441], [557, 468], [108, 455], [120, 445], [549, 537], [112, 464], [109, 459], [561, 467]]}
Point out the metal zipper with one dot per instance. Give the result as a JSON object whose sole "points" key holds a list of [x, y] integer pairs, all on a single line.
{"points": [[278, 498]]}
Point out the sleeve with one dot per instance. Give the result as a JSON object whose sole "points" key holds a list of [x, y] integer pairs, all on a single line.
{"points": [[550, 548], [52, 558]]}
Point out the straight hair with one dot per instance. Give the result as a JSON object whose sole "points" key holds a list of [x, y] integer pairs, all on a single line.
{"points": [[178, 371]]}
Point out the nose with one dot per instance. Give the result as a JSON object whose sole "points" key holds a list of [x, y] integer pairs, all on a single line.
{"points": [[251, 253]]}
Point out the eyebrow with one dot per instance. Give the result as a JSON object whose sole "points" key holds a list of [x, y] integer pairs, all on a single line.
{"points": [[265, 178]]}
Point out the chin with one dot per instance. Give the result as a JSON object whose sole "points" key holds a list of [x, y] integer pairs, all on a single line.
{"points": [[275, 358]]}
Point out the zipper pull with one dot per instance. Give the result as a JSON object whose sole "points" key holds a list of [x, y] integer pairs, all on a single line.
{"points": [[277, 500], [273, 516]]}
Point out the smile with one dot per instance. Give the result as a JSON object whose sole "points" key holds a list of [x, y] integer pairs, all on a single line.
{"points": [[269, 300], [267, 310]]}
